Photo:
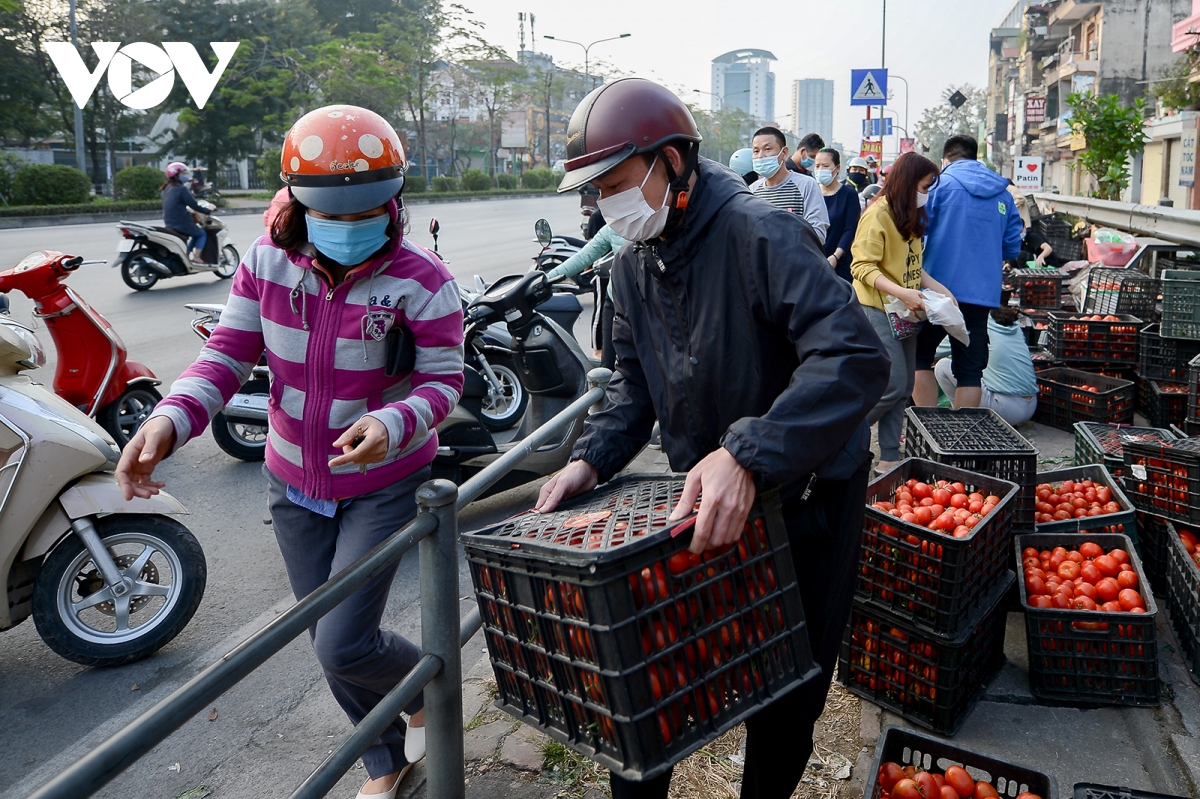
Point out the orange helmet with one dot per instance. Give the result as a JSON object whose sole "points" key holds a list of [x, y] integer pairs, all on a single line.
{"points": [[343, 159]]}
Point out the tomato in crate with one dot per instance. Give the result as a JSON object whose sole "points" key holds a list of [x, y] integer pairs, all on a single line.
{"points": [[1163, 478], [935, 538], [1108, 339], [1183, 593], [1089, 620], [1039, 289], [1164, 358], [1067, 396], [1098, 442], [607, 635], [1083, 499]]}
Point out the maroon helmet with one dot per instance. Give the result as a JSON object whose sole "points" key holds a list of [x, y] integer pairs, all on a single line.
{"points": [[619, 120]]}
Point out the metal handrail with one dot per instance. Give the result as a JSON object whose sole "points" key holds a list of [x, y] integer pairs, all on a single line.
{"points": [[438, 672], [1172, 224]]}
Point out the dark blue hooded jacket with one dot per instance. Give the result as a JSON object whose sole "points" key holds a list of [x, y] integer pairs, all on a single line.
{"points": [[973, 227]]}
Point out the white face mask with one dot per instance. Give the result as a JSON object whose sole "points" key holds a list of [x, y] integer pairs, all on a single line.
{"points": [[823, 176], [631, 217], [922, 198]]}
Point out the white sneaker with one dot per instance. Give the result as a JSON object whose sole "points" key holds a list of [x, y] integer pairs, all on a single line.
{"points": [[391, 793]]}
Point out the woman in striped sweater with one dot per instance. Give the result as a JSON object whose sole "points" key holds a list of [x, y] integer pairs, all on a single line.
{"points": [[327, 295]]}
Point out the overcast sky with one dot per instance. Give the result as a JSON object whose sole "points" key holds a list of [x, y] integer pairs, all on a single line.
{"points": [[931, 43]]}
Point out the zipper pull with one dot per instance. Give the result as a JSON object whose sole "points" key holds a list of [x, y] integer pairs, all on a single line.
{"points": [[808, 488], [329, 294]]}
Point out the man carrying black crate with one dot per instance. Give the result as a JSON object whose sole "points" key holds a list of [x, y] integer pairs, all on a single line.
{"points": [[756, 359]]}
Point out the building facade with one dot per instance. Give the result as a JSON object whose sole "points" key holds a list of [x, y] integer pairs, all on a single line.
{"points": [[743, 79], [812, 107], [1042, 53]]}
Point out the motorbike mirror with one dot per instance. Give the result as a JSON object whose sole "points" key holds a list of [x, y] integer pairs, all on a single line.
{"points": [[434, 227], [541, 229]]}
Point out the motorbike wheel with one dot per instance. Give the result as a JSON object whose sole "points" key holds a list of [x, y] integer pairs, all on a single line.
{"points": [[246, 442], [75, 613], [503, 413], [229, 262], [123, 416], [137, 275]]}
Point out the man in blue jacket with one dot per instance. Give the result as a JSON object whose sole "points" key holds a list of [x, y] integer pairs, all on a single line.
{"points": [[973, 228]]}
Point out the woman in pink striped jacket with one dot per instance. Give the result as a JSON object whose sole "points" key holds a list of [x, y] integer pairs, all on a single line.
{"points": [[328, 294]]}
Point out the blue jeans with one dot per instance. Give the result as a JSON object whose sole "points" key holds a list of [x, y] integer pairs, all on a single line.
{"points": [[199, 239], [361, 661]]}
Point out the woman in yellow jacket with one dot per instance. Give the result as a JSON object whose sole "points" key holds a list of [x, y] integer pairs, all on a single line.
{"points": [[887, 261]]}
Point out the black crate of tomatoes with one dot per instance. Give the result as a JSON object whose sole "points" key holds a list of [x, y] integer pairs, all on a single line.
{"points": [[930, 679], [1121, 291], [1067, 396], [1095, 338], [1089, 620], [934, 539], [1162, 403], [1097, 442], [1180, 303], [1039, 289], [1163, 478], [607, 635], [1164, 358], [1193, 388], [976, 440], [1082, 499], [1154, 534], [1035, 327], [1183, 595], [905, 754]]}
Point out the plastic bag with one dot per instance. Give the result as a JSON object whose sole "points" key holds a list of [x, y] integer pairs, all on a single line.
{"points": [[1110, 236], [895, 305], [942, 311]]}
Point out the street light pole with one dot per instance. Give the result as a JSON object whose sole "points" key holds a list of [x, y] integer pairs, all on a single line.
{"points": [[79, 162], [587, 75], [902, 80], [883, 40]]}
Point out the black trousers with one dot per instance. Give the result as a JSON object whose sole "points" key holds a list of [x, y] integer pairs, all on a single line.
{"points": [[825, 535]]}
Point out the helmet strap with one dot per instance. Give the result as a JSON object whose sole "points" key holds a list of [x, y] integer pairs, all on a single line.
{"points": [[677, 184]]}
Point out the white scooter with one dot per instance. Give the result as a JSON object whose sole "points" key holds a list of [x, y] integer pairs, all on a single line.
{"points": [[107, 581], [148, 253]]}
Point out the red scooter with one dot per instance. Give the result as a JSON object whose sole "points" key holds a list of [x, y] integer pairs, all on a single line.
{"points": [[92, 372]]}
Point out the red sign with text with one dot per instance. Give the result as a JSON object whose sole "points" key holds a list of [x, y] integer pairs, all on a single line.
{"points": [[1035, 110]]}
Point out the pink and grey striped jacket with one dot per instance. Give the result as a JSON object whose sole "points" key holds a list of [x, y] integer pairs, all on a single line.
{"points": [[325, 348]]}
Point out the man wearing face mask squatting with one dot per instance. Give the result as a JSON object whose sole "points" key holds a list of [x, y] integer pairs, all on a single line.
{"points": [[788, 191], [734, 332]]}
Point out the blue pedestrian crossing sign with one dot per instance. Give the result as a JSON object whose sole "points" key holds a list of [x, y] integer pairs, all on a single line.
{"points": [[868, 86]]}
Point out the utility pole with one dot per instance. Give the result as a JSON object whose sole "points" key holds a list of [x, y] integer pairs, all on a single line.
{"points": [[79, 162], [883, 40]]}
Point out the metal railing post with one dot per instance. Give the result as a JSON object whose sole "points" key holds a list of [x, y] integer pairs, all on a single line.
{"points": [[440, 638], [599, 378]]}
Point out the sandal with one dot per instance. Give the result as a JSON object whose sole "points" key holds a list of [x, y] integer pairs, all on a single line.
{"points": [[391, 792]]}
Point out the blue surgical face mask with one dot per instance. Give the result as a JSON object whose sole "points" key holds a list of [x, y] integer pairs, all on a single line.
{"points": [[767, 166], [807, 163], [824, 176], [348, 243]]}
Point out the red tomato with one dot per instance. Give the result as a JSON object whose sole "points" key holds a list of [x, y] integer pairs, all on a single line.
{"points": [[946, 792], [1042, 602], [890, 774], [1090, 550], [1130, 599], [958, 779], [984, 790], [678, 562], [1068, 570], [1035, 586], [921, 490], [1108, 565], [1082, 602], [1127, 579], [907, 789], [1112, 606], [1086, 589], [1090, 573], [1029, 552], [1028, 795], [1119, 555], [1107, 589], [926, 784]]}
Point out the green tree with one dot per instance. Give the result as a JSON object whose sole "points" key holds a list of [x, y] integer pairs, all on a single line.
{"points": [[944, 120], [1113, 134], [24, 92], [1173, 89], [498, 84], [724, 132]]}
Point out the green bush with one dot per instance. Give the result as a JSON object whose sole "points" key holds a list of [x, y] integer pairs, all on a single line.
{"points": [[536, 179], [81, 208], [414, 184], [267, 167], [10, 163], [506, 181], [443, 183], [138, 183], [477, 180], [51, 184]]}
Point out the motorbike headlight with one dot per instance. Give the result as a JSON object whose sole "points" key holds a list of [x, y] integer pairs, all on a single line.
{"points": [[37, 355]]}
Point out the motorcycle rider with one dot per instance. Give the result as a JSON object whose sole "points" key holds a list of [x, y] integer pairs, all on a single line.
{"points": [[757, 359], [350, 439], [177, 202]]}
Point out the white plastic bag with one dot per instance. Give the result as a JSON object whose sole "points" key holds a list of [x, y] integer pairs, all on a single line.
{"points": [[895, 305], [942, 311]]}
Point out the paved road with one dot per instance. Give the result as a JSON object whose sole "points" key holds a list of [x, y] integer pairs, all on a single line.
{"points": [[276, 726]]}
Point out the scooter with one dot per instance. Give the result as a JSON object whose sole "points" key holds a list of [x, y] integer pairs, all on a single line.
{"points": [[552, 367], [148, 253], [93, 373], [107, 581]]}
